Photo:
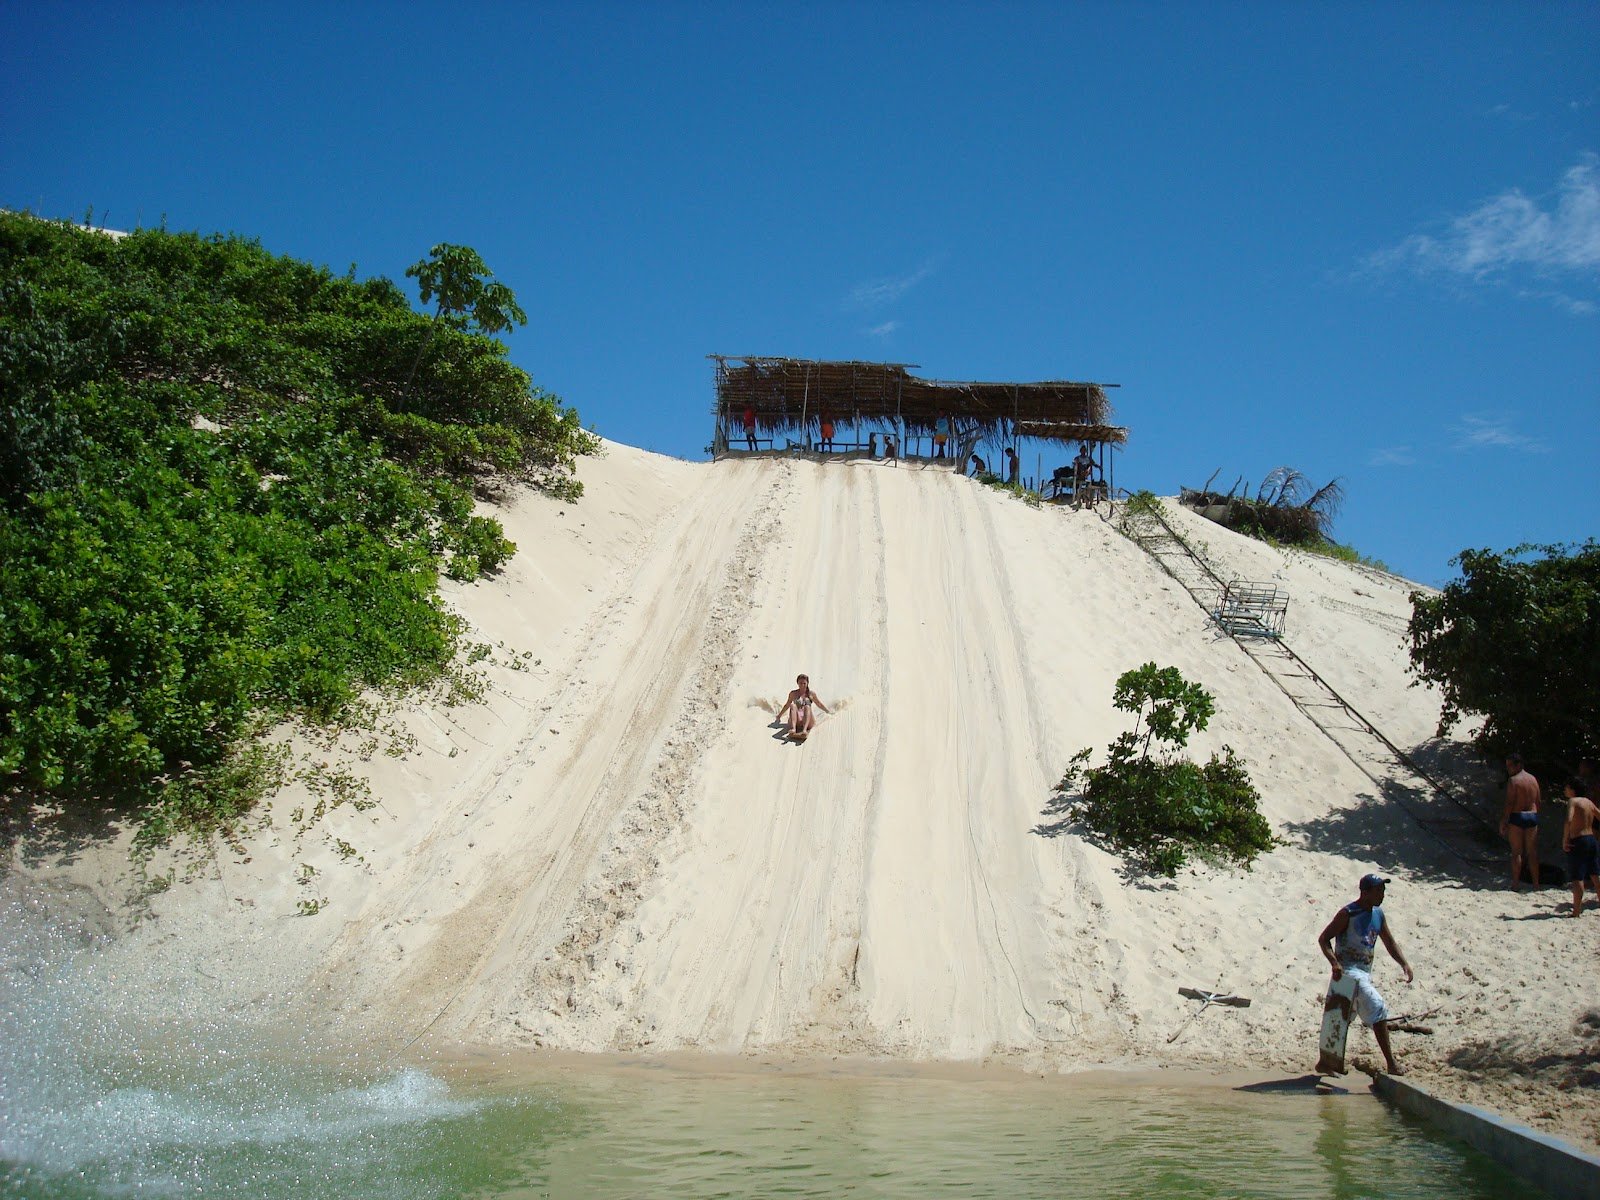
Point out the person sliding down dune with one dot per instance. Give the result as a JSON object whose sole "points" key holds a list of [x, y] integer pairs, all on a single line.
{"points": [[799, 706]]}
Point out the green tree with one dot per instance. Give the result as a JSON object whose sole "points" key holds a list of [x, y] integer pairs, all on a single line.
{"points": [[1154, 805], [466, 296], [1517, 639], [220, 506]]}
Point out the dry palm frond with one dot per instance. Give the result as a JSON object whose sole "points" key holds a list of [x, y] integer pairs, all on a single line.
{"points": [[1282, 486], [1285, 507], [1325, 503]]}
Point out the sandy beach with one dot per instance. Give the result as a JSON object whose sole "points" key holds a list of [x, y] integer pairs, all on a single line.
{"points": [[616, 852]]}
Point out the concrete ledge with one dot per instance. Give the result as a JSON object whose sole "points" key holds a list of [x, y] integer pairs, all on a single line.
{"points": [[1538, 1158]]}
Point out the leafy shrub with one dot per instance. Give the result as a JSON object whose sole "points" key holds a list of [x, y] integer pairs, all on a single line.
{"points": [[229, 482], [1159, 809], [1026, 495], [1517, 638]]}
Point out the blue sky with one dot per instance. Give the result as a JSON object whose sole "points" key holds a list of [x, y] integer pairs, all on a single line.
{"points": [[1360, 240]]}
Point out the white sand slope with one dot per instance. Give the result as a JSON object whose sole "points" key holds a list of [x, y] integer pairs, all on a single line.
{"points": [[616, 852]]}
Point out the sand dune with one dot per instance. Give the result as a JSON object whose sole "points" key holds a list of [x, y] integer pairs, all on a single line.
{"points": [[615, 852]]}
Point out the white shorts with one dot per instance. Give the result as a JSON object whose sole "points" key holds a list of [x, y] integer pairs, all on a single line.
{"points": [[1369, 1004]]}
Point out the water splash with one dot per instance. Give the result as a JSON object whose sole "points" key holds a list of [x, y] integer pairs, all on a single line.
{"points": [[108, 1093]]}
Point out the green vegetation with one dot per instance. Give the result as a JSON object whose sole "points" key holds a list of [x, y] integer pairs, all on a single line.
{"points": [[1286, 509], [1026, 495], [1158, 808], [1142, 505], [1344, 553], [1285, 514], [229, 482], [1517, 639]]}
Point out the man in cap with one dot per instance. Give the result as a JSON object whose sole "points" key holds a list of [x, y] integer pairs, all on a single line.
{"points": [[1348, 943]]}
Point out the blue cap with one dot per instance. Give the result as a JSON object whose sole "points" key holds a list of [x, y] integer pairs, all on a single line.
{"points": [[1372, 881]]}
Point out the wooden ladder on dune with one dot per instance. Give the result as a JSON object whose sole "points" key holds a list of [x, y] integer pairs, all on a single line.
{"points": [[1437, 810]]}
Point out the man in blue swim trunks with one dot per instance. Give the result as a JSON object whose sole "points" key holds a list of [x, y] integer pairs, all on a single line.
{"points": [[1348, 943], [1578, 840], [1520, 824]]}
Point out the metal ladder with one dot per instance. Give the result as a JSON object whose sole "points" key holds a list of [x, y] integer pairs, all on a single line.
{"points": [[1437, 810]]}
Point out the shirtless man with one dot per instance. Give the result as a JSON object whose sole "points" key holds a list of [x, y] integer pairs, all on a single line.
{"points": [[799, 704], [1578, 840], [1520, 823]]}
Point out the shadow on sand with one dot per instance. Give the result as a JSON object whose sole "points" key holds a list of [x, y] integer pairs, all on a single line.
{"points": [[1414, 831], [41, 832], [1301, 1085]]}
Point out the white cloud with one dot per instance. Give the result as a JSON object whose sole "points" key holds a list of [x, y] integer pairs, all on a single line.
{"points": [[1509, 113], [1391, 456], [1568, 304], [876, 293], [884, 330], [1477, 432], [1514, 233]]}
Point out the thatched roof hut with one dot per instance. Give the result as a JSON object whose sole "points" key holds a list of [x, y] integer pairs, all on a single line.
{"points": [[790, 396]]}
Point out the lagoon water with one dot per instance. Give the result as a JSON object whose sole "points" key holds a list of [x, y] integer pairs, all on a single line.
{"points": [[103, 1096], [308, 1133]]}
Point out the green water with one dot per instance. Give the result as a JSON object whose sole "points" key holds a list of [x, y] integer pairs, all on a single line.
{"points": [[112, 1092], [302, 1132]]}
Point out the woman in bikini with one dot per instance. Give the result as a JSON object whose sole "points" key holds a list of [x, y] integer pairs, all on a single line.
{"points": [[798, 706]]}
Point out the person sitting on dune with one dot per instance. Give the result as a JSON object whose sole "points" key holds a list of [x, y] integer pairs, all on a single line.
{"points": [[799, 704]]}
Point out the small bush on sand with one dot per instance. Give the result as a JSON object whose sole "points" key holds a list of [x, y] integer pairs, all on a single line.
{"points": [[1286, 509], [1155, 807]]}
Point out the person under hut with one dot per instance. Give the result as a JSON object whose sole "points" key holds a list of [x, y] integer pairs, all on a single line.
{"points": [[1082, 468]]}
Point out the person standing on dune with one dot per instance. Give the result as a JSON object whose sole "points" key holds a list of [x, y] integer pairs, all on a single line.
{"points": [[1520, 824], [1578, 840], [799, 705]]}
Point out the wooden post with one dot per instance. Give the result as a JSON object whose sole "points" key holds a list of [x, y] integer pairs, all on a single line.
{"points": [[805, 405], [900, 428]]}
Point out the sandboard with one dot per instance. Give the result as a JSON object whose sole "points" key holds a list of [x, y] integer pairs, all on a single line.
{"points": [[1336, 1009], [799, 735]]}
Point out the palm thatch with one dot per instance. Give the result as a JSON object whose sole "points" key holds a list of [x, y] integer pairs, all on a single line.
{"points": [[790, 396], [1285, 508]]}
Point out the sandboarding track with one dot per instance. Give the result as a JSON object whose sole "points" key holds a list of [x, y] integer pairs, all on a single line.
{"points": [[612, 738], [753, 932]]}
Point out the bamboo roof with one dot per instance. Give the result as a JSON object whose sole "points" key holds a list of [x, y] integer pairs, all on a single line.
{"points": [[790, 395]]}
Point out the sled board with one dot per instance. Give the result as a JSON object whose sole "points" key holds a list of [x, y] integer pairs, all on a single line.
{"points": [[799, 736], [1336, 1010]]}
